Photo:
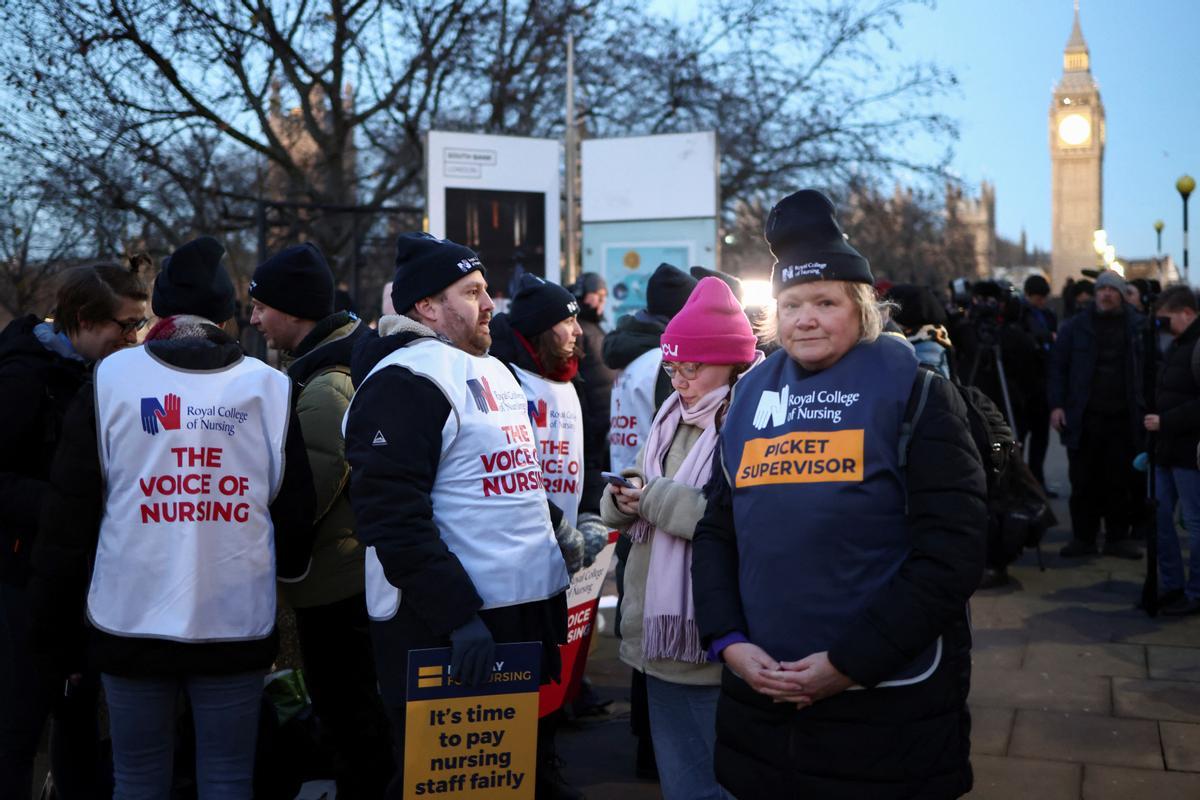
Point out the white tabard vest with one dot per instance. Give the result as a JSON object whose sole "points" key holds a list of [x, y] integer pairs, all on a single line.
{"points": [[632, 409], [488, 500], [191, 461], [558, 427]]}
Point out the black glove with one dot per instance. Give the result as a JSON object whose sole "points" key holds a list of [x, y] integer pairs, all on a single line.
{"points": [[472, 650]]}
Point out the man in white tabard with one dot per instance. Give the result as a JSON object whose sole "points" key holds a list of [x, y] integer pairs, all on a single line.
{"points": [[447, 485]]}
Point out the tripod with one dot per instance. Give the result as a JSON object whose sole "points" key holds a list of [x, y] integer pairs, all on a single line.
{"points": [[993, 355], [1149, 386]]}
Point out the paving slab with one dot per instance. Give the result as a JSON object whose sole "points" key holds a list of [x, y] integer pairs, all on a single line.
{"points": [[1125, 660], [991, 729], [998, 649], [1118, 783], [1175, 701], [1027, 779], [1175, 663], [1043, 691], [1181, 745], [1169, 631], [1087, 738]]}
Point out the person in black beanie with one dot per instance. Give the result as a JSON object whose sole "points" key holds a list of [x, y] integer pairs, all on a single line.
{"points": [[1040, 323], [194, 282], [293, 297], [179, 588], [859, 655], [448, 564]]}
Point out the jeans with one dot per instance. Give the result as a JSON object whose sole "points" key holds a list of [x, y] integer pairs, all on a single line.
{"points": [[1182, 485], [683, 725], [27, 698], [142, 720]]}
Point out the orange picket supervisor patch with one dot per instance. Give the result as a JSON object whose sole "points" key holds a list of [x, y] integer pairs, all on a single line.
{"points": [[802, 457]]}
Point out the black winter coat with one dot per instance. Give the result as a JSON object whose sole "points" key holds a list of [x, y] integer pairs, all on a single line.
{"points": [[895, 742], [1178, 402], [69, 534], [391, 490], [1072, 362], [36, 388]]}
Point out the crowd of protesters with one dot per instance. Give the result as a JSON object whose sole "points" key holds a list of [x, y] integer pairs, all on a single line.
{"points": [[806, 499]]}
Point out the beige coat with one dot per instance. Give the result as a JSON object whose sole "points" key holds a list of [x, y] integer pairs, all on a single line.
{"points": [[674, 508]]}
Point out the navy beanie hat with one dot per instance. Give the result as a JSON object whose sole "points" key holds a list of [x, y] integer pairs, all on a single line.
{"points": [[425, 265], [668, 290], [193, 281], [297, 281], [808, 244], [539, 305]]}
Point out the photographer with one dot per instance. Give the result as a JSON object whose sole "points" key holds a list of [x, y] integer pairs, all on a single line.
{"points": [[1041, 324], [990, 338]]}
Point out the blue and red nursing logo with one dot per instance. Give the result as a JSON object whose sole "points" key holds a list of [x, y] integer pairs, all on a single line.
{"points": [[488, 399], [165, 413], [481, 392], [170, 414]]}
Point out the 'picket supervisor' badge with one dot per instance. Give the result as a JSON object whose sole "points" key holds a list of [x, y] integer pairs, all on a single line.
{"points": [[802, 457]]}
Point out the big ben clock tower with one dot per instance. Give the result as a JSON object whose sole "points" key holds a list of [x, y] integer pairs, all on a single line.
{"points": [[1076, 162]]}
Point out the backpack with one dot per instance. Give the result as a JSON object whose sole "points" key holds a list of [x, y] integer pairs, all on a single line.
{"points": [[1019, 513]]}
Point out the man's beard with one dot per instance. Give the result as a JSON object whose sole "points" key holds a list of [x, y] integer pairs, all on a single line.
{"points": [[468, 336]]}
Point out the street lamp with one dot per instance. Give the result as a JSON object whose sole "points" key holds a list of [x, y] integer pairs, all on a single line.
{"points": [[1185, 185], [1158, 226]]}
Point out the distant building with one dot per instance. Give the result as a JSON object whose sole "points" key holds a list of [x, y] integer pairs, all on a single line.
{"points": [[978, 216], [1163, 270]]}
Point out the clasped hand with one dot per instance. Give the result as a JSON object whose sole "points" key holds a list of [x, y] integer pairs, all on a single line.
{"points": [[802, 682]]}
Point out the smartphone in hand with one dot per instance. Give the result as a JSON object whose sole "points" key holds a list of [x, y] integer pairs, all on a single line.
{"points": [[616, 480]]}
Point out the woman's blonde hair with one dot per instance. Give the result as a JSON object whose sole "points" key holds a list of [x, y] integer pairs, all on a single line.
{"points": [[872, 312]]}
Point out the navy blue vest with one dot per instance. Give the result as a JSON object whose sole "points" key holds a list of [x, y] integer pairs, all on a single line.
{"points": [[818, 495]]}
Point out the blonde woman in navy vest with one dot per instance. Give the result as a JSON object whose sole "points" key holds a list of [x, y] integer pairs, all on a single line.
{"points": [[844, 534], [170, 488]]}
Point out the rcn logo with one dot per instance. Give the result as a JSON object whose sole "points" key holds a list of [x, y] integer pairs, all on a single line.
{"points": [[772, 408], [482, 393], [537, 413], [165, 413]]}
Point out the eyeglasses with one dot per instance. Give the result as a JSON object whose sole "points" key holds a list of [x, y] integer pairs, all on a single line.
{"points": [[688, 369], [130, 327]]}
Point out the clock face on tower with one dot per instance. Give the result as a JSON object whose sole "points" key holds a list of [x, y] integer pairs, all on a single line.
{"points": [[1074, 130]]}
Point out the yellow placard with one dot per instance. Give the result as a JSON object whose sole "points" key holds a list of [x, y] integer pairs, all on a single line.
{"points": [[469, 742], [802, 457], [489, 752]]}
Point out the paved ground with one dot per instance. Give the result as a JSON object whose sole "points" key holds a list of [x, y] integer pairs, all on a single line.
{"points": [[1075, 693]]}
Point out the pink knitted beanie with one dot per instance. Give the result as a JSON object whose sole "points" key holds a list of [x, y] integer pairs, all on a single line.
{"points": [[711, 328]]}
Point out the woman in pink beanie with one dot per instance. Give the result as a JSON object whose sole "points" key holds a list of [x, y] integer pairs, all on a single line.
{"points": [[706, 347]]}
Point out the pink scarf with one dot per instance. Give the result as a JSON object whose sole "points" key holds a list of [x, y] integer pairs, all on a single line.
{"points": [[669, 617]]}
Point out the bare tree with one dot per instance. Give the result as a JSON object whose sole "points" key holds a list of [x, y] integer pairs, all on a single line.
{"points": [[179, 115], [909, 236]]}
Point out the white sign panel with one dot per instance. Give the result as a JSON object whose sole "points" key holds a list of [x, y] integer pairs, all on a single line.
{"points": [[499, 195], [650, 177]]}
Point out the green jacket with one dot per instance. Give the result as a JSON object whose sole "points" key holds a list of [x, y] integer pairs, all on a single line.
{"points": [[324, 389]]}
